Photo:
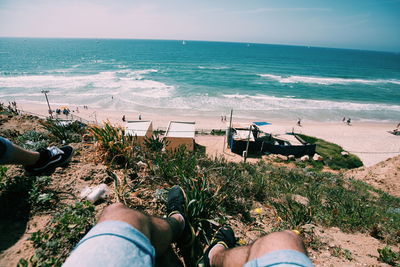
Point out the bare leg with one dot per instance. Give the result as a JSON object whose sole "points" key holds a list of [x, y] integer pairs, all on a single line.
{"points": [[240, 255], [158, 231], [22, 156]]}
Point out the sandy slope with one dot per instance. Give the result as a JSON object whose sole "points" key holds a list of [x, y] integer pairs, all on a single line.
{"points": [[385, 175]]}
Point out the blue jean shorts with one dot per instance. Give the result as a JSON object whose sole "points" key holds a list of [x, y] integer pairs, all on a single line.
{"points": [[6, 148], [112, 243], [281, 258]]}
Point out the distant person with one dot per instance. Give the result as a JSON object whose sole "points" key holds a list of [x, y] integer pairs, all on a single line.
{"points": [[112, 97], [35, 162], [140, 117], [299, 122], [344, 119], [127, 237], [224, 118], [123, 118], [348, 121]]}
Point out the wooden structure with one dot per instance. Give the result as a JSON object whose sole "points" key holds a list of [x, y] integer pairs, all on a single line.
{"points": [[262, 137], [180, 133], [139, 130]]}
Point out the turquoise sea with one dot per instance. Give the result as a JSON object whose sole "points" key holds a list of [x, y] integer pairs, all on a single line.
{"points": [[209, 78]]}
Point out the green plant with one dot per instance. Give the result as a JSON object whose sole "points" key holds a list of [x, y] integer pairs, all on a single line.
{"points": [[218, 132], [154, 144], [387, 255], [53, 244], [39, 197], [64, 131], [32, 140], [114, 145], [331, 154], [341, 253]]}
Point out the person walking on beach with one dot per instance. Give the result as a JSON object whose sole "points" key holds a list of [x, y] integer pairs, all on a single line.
{"points": [[140, 117], [123, 118], [348, 121], [299, 122], [127, 237], [344, 119]]}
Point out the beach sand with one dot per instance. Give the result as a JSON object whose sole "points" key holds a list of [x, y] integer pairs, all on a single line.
{"points": [[368, 140]]}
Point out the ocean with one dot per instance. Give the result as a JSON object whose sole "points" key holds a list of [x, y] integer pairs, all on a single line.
{"points": [[203, 78]]}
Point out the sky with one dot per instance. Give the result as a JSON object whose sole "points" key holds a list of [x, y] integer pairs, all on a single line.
{"points": [[355, 24]]}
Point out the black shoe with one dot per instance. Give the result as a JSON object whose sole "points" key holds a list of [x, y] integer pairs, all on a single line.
{"points": [[225, 237], [50, 158], [176, 204]]}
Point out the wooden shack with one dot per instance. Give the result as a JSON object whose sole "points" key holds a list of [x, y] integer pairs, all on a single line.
{"points": [[139, 130], [180, 133]]}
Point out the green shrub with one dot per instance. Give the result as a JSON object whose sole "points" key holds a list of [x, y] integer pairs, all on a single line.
{"points": [[154, 144], [387, 255], [63, 131], [332, 154], [32, 140], [114, 145], [218, 132], [54, 243], [40, 197]]}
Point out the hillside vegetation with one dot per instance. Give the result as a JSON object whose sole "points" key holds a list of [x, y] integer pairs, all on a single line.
{"points": [[257, 197]]}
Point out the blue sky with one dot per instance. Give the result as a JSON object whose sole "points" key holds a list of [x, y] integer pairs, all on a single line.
{"points": [[364, 24]]}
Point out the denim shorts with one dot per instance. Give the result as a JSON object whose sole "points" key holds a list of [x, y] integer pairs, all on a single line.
{"points": [[281, 258], [6, 148], [112, 243]]}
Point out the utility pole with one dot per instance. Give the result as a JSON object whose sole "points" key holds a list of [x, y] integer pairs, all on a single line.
{"points": [[247, 145], [48, 104], [229, 129]]}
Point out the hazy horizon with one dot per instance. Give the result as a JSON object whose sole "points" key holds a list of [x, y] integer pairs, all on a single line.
{"points": [[362, 25]]}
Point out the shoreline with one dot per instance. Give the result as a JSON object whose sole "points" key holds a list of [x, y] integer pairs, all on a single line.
{"points": [[368, 140]]}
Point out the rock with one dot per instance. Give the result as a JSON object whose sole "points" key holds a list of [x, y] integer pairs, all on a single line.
{"points": [[317, 157], [305, 158], [282, 157], [141, 164], [291, 157], [344, 153], [300, 199]]}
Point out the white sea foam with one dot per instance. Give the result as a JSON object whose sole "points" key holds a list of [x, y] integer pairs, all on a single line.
{"points": [[107, 79], [265, 102], [325, 80], [213, 68]]}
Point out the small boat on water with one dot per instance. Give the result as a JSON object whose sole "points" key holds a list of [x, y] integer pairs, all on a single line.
{"points": [[264, 138]]}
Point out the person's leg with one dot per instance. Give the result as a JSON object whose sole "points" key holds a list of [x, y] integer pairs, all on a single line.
{"points": [[159, 231], [126, 237], [13, 154], [35, 162], [278, 241]]}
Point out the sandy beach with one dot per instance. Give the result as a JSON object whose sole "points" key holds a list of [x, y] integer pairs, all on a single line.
{"points": [[368, 140]]}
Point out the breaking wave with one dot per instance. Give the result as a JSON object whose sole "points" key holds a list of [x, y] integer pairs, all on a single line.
{"points": [[324, 80]]}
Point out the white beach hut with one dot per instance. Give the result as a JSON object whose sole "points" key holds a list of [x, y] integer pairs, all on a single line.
{"points": [[139, 129], [180, 133]]}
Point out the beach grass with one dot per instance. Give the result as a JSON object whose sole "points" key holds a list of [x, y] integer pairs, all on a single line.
{"points": [[331, 154]]}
